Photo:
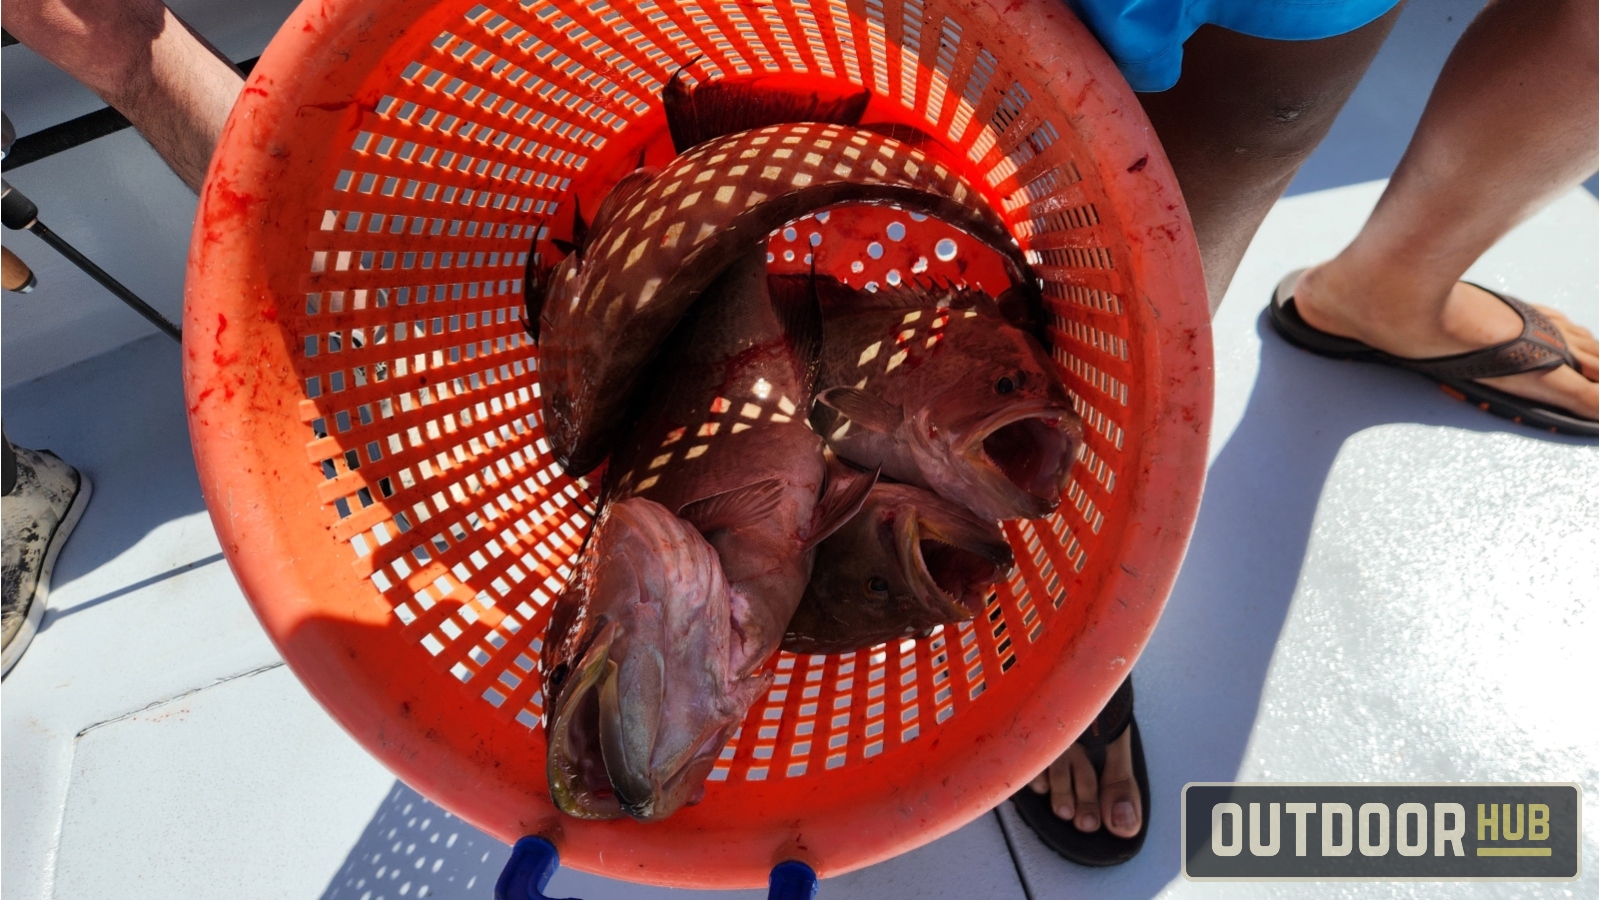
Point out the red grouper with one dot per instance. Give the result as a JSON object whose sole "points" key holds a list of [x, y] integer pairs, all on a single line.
{"points": [[717, 497], [907, 562], [928, 383], [602, 315]]}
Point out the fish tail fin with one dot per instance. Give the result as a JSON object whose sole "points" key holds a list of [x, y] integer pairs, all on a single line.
{"points": [[799, 311], [677, 98], [712, 109]]}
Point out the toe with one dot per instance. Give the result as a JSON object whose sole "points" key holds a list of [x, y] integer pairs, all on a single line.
{"points": [[1562, 388], [1062, 798], [1086, 788], [1119, 793]]}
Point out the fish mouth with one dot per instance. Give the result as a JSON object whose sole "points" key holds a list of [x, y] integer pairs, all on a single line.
{"points": [[579, 783], [950, 562], [1032, 447]]}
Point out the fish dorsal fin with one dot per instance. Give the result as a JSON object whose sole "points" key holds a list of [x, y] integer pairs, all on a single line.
{"points": [[799, 313], [862, 408], [835, 297], [926, 294], [736, 507], [618, 197], [842, 496], [712, 109], [580, 229]]}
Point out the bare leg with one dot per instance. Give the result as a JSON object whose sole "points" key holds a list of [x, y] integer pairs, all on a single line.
{"points": [[145, 62], [1510, 125], [1244, 116], [1238, 124]]}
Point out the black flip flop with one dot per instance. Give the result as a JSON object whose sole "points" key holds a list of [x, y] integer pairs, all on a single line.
{"points": [[1101, 847], [1539, 347]]}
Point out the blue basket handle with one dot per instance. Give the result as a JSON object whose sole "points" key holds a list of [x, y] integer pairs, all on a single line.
{"points": [[792, 880], [534, 860]]}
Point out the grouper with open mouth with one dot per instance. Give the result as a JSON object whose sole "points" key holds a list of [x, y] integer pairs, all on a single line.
{"points": [[907, 562], [928, 383], [716, 499]]}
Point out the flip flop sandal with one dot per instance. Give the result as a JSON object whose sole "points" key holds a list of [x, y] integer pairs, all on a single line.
{"points": [[1538, 348], [1100, 847]]}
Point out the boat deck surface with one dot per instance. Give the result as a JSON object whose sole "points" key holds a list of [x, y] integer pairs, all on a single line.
{"points": [[1384, 585]]}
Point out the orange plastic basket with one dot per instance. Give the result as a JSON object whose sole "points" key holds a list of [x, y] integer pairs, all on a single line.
{"points": [[365, 411]]}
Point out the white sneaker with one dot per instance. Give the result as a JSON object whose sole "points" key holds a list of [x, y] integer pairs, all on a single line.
{"points": [[39, 513]]}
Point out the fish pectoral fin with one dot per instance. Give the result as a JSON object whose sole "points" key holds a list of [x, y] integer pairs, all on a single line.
{"points": [[841, 499], [862, 408], [564, 246], [749, 503]]}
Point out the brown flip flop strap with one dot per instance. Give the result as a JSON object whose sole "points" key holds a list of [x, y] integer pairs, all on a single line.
{"points": [[1539, 347]]}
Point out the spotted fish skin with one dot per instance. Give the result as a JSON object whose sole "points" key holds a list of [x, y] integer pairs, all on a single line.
{"points": [[605, 316], [931, 386]]}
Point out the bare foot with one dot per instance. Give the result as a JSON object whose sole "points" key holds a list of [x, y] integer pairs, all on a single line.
{"points": [[1087, 801], [1333, 300]]}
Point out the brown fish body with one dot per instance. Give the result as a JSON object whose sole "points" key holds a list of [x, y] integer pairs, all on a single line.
{"points": [[947, 397], [698, 563], [605, 314], [721, 435], [908, 562]]}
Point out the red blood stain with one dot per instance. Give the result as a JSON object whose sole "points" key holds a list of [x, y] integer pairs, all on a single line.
{"points": [[252, 89], [217, 356], [221, 194], [1139, 164], [201, 399], [270, 313]]}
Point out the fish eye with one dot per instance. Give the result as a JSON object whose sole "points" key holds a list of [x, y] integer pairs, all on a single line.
{"points": [[878, 587], [1005, 385]]}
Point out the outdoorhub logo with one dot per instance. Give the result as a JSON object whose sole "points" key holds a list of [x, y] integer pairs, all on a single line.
{"points": [[1381, 832]]}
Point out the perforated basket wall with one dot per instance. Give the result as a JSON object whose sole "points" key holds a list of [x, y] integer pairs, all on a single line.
{"points": [[366, 420]]}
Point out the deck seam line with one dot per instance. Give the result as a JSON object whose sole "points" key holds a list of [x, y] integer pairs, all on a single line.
{"points": [[1016, 863], [189, 693]]}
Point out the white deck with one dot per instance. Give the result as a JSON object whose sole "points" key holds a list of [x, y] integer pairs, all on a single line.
{"points": [[1384, 585]]}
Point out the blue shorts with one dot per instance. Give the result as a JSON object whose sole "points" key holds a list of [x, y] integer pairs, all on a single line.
{"points": [[1145, 37]]}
